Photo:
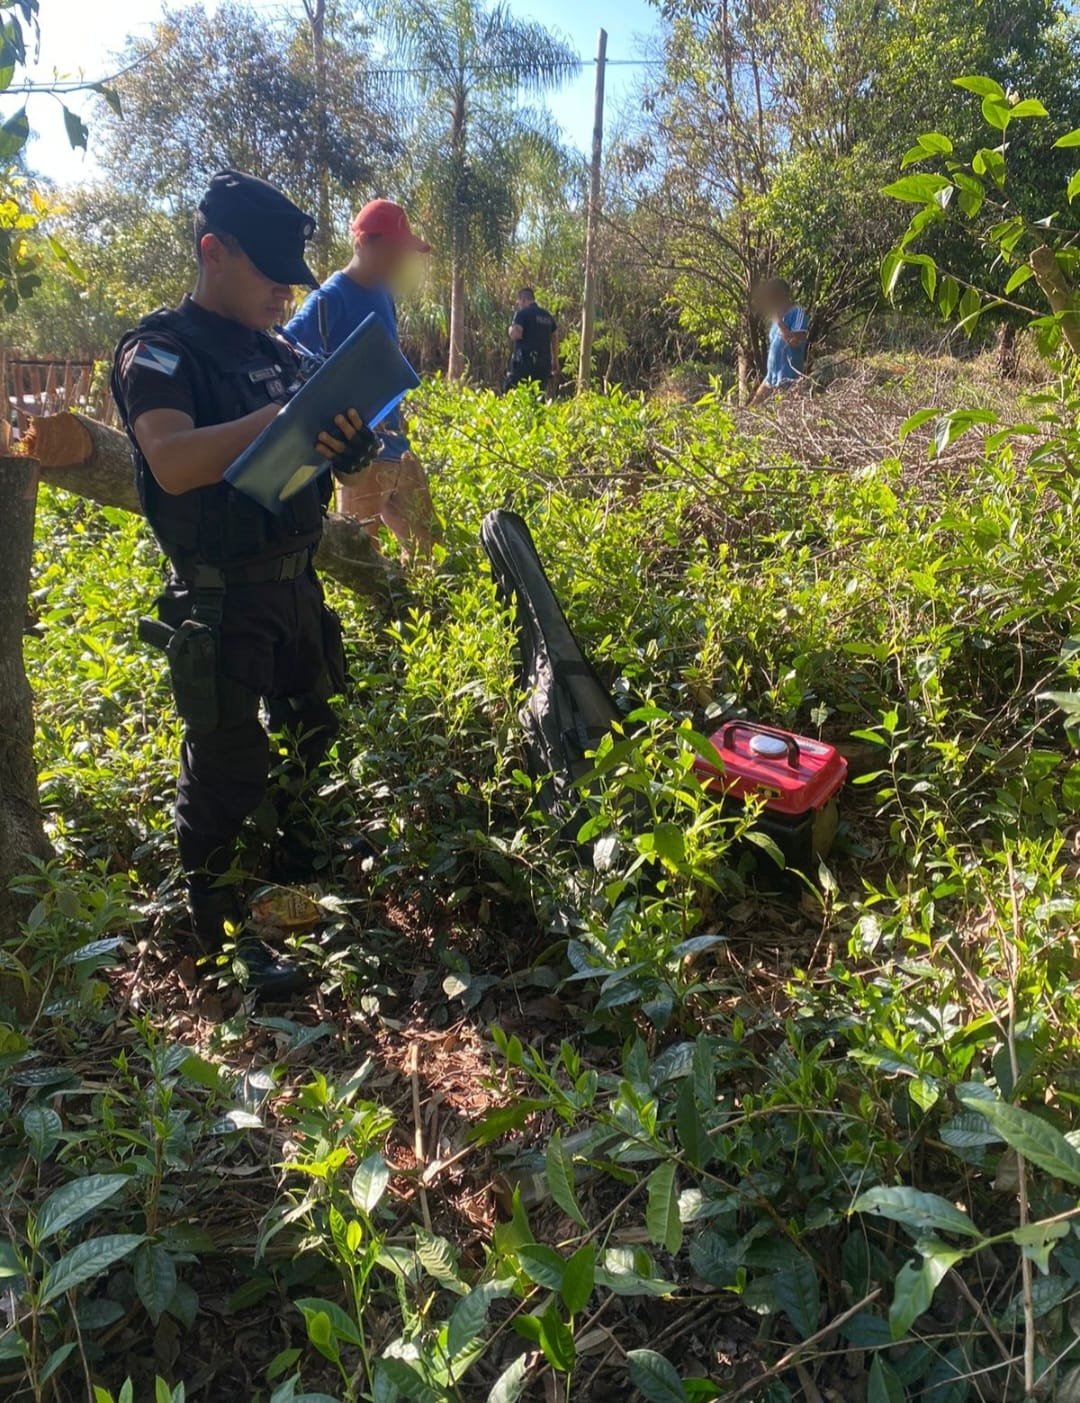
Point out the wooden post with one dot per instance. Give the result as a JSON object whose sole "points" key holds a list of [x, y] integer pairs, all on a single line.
{"points": [[588, 300]]}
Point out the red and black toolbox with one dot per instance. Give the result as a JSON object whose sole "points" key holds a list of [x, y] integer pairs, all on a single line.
{"points": [[799, 779]]}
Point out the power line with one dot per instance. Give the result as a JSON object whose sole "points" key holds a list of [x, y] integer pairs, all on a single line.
{"points": [[76, 85], [471, 68]]}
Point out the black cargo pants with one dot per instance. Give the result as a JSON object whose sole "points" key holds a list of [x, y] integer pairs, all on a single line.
{"points": [[278, 644]]}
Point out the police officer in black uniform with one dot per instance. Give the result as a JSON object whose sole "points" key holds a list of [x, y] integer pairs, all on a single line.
{"points": [[242, 618], [535, 342]]}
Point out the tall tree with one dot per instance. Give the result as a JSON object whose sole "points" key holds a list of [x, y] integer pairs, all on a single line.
{"points": [[774, 126], [469, 61], [233, 89]]}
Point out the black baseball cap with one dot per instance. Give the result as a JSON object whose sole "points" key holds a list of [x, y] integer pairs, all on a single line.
{"points": [[266, 224]]}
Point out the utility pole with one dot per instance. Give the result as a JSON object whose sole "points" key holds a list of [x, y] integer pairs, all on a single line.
{"points": [[588, 300], [324, 234]]}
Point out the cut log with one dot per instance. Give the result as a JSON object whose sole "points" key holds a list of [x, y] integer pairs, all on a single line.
{"points": [[86, 457]]}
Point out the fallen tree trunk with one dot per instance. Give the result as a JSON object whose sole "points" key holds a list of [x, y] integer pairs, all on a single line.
{"points": [[88, 458], [84, 456]]}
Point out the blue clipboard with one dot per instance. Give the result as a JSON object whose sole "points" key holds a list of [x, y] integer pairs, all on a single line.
{"points": [[367, 373]]}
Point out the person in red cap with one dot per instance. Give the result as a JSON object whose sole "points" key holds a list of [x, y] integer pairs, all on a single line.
{"points": [[394, 489]]}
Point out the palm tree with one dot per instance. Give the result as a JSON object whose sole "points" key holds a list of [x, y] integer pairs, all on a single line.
{"points": [[468, 61]]}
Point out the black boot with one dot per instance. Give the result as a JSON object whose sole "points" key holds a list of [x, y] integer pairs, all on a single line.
{"points": [[268, 975], [272, 978]]}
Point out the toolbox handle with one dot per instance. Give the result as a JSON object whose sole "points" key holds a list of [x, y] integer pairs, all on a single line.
{"points": [[793, 753]]}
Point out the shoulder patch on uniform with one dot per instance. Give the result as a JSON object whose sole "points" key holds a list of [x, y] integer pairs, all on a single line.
{"points": [[155, 358]]}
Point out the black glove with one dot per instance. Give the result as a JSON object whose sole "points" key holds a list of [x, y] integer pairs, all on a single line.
{"points": [[350, 445], [363, 448]]}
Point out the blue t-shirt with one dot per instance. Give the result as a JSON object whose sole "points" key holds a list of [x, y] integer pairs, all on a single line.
{"points": [[347, 305], [785, 363]]}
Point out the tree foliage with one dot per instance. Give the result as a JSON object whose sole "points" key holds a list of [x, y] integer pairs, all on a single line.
{"points": [[476, 155], [994, 216], [773, 125], [208, 91]]}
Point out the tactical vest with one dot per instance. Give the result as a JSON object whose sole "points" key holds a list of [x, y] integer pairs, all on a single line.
{"points": [[217, 525]]}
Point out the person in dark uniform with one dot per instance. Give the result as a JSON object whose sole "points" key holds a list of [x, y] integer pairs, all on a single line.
{"points": [[243, 611], [535, 341]]}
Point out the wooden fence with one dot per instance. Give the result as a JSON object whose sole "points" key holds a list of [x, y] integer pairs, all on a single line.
{"points": [[49, 385]]}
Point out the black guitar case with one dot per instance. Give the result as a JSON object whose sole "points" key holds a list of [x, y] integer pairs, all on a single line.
{"points": [[567, 709]]}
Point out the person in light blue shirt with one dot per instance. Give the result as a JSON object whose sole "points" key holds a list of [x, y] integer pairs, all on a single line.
{"points": [[788, 337], [394, 489]]}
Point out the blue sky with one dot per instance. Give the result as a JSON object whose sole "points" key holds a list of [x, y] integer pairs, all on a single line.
{"points": [[78, 37]]}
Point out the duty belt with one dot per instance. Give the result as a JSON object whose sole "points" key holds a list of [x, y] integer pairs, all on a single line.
{"points": [[258, 572]]}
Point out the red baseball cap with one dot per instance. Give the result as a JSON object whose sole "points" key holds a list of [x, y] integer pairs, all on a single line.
{"points": [[389, 221]]}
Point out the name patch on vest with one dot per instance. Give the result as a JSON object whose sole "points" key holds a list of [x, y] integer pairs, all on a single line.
{"points": [[266, 372]]}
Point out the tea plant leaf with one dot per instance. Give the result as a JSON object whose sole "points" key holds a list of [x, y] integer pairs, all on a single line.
{"points": [[99, 1313], [155, 1279], [235, 1120], [799, 1296], [542, 1265], [884, 1386], [72, 1201], [83, 1263], [342, 1325], [579, 1278], [662, 1211], [713, 1258], [559, 1167], [675, 1061], [621, 1273], [438, 1260], [510, 1384], [913, 1291], [469, 1316], [1046, 1293], [282, 1361], [968, 1131], [56, 1361], [866, 1331], [556, 1341], [407, 1381], [949, 1379], [1028, 1134], [919, 1212], [655, 1377], [689, 1125], [42, 1126], [504, 1119], [321, 1335], [369, 1182]]}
